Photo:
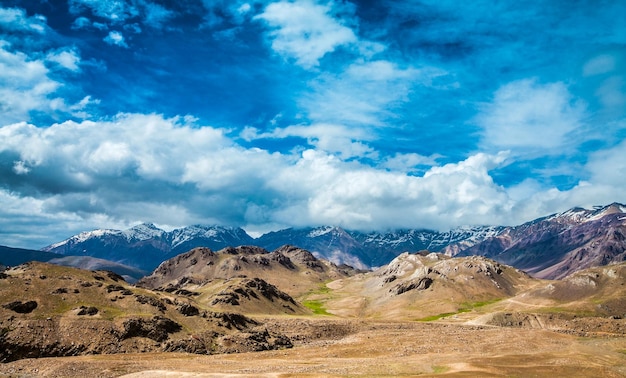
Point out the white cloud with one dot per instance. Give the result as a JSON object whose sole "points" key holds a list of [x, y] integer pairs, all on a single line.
{"points": [[408, 162], [607, 178], [336, 139], [608, 167], [16, 19], [155, 15], [305, 31], [325, 190], [528, 117], [108, 168], [120, 12], [115, 38], [66, 58], [244, 8], [599, 65], [25, 86], [81, 23], [365, 94], [612, 92], [139, 167]]}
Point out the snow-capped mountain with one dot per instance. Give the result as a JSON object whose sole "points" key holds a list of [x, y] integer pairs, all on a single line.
{"points": [[146, 246], [383, 247], [560, 244], [549, 247], [215, 237], [330, 243]]}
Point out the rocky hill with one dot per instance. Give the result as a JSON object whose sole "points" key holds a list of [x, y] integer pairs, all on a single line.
{"points": [[415, 286], [48, 310], [293, 270]]}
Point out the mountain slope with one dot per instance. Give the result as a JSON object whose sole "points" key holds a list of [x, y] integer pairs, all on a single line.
{"points": [[129, 273], [331, 243], [15, 256], [560, 244]]}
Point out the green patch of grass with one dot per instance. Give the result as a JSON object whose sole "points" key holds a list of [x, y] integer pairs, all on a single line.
{"points": [[440, 369], [316, 306], [318, 295], [473, 305], [465, 307], [321, 289], [440, 316]]}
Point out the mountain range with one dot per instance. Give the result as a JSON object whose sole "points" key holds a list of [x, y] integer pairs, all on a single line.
{"points": [[548, 247], [287, 302]]}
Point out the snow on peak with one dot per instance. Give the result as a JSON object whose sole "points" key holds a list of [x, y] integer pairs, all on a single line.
{"points": [[181, 235], [84, 236], [321, 231], [143, 231], [581, 215]]}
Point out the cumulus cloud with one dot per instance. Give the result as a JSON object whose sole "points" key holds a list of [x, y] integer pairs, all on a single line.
{"points": [[528, 117], [305, 31], [115, 38], [28, 85], [100, 168], [25, 87], [325, 190], [173, 171]]}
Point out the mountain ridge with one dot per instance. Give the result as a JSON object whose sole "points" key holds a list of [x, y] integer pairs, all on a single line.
{"points": [[146, 246]]}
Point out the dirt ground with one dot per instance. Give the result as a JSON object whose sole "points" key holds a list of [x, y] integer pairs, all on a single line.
{"points": [[332, 348]]}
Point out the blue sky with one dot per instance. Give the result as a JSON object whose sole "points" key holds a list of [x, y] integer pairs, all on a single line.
{"points": [[273, 114]]}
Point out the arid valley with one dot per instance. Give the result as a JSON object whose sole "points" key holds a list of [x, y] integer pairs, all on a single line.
{"points": [[249, 312]]}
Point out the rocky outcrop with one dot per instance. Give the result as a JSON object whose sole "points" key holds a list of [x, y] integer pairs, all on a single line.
{"points": [[156, 328], [21, 307]]}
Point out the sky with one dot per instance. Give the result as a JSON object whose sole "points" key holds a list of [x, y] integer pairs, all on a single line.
{"points": [[368, 115]]}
